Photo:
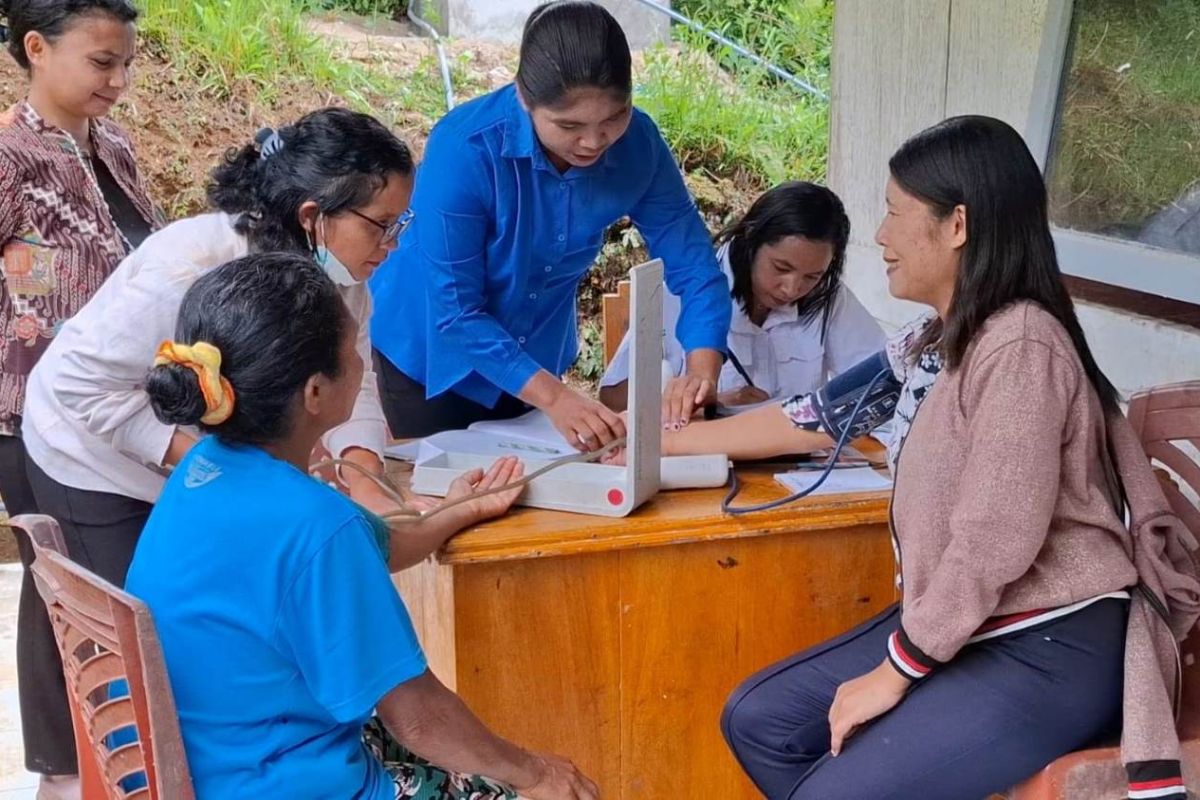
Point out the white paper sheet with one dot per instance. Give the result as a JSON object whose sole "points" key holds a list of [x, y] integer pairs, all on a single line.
{"points": [[840, 481], [533, 427], [530, 436]]}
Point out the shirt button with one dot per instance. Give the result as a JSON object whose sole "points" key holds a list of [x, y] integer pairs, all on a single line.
{"points": [[549, 268], [562, 185], [562, 238], [521, 339], [533, 295]]}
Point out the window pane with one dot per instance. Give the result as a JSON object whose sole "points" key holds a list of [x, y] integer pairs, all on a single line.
{"points": [[1125, 156]]}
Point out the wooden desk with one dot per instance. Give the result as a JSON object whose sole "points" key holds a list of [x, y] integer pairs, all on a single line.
{"points": [[616, 642]]}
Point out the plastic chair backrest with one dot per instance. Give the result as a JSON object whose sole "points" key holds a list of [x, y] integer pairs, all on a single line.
{"points": [[1167, 421], [114, 668]]}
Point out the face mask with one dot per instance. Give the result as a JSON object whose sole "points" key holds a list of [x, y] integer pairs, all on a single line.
{"points": [[333, 267]]}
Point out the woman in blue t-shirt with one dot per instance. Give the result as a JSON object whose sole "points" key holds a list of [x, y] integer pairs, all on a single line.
{"points": [[270, 591]]}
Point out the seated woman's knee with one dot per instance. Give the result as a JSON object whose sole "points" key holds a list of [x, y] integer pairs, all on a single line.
{"points": [[744, 715]]}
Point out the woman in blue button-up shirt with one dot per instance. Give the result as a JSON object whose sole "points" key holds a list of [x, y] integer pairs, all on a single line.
{"points": [[475, 313]]}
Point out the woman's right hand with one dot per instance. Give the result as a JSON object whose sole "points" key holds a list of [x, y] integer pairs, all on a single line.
{"points": [[558, 779], [586, 423], [742, 396]]}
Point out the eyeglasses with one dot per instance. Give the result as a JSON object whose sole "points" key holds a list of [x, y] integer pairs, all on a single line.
{"points": [[391, 232]]}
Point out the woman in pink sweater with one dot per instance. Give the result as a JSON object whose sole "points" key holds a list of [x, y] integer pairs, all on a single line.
{"points": [[1008, 649]]}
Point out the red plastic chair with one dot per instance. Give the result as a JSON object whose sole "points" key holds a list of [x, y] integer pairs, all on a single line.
{"points": [[1163, 418], [128, 741]]}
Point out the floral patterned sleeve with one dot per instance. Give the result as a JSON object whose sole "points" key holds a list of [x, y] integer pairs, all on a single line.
{"points": [[801, 411], [899, 346], [804, 410]]}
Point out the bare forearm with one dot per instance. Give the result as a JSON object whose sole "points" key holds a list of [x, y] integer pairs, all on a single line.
{"points": [[411, 542], [356, 482], [705, 363], [615, 397], [761, 433], [541, 390], [431, 721]]}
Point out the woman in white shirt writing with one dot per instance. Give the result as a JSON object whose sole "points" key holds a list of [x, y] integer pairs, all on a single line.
{"points": [[794, 322]]}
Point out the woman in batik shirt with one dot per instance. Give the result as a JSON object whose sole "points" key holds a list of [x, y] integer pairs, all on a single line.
{"points": [[72, 205]]}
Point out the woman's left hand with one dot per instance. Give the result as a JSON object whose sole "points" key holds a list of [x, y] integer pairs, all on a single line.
{"points": [[683, 397], [863, 699], [503, 471]]}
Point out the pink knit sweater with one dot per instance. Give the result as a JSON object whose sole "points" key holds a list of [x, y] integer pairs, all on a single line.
{"points": [[1003, 506]]}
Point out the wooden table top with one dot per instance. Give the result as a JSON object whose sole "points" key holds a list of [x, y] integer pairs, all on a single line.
{"points": [[671, 517]]}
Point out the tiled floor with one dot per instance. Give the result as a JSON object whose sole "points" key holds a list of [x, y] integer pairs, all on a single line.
{"points": [[15, 782]]}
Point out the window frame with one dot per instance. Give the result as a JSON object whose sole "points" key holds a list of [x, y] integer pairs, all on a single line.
{"points": [[1116, 272]]}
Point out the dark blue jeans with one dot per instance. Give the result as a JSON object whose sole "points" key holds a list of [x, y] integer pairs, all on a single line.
{"points": [[997, 713]]}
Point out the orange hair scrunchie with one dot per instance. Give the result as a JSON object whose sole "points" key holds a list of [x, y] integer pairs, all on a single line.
{"points": [[205, 360]]}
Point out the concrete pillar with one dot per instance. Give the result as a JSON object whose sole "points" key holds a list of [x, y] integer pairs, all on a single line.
{"points": [[502, 20]]}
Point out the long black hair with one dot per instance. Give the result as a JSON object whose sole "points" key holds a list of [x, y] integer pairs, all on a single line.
{"points": [[335, 157], [982, 164], [794, 208], [569, 44], [278, 320], [51, 18]]}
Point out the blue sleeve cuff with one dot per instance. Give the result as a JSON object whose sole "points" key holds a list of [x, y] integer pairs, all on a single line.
{"points": [[518, 373], [705, 316], [706, 340]]}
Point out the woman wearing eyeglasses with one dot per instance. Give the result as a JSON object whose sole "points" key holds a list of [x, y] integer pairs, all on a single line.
{"points": [[334, 186]]}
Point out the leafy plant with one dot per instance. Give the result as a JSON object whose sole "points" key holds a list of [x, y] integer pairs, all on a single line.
{"points": [[590, 364]]}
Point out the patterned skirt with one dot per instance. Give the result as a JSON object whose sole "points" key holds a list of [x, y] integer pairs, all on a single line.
{"points": [[417, 779]]}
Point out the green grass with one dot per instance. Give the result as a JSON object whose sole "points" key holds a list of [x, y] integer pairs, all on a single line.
{"points": [[795, 35], [1130, 137], [733, 125], [370, 8], [264, 46], [723, 114]]}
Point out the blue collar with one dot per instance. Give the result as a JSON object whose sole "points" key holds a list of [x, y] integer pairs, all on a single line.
{"points": [[520, 141]]}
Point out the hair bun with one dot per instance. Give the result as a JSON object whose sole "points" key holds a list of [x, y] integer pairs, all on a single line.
{"points": [[175, 395]]}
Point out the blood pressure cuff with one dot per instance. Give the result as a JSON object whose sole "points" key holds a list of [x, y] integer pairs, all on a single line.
{"points": [[834, 403]]}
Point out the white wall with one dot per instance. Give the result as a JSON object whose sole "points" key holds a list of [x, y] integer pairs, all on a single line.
{"points": [[902, 65], [502, 20]]}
